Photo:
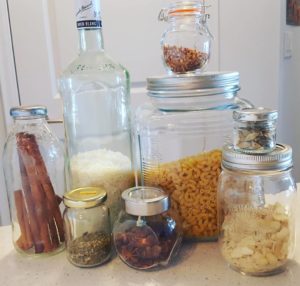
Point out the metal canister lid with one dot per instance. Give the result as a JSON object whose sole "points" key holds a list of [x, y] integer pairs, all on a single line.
{"points": [[28, 111], [145, 201], [203, 84], [255, 114], [279, 159], [88, 197]]}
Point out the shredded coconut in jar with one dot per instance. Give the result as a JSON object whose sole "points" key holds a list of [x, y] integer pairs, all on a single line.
{"points": [[256, 240], [103, 168]]}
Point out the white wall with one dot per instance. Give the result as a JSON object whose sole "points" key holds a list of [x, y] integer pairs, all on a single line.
{"points": [[289, 128], [250, 44]]}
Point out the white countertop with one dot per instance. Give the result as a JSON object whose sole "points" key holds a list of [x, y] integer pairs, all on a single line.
{"points": [[198, 264]]}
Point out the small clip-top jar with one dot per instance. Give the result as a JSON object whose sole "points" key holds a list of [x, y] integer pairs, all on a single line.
{"points": [[87, 227], [186, 42], [256, 201], [255, 130], [145, 236], [33, 160]]}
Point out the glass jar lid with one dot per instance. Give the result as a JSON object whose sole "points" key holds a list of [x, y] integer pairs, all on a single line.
{"points": [[88, 197], [279, 159], [182, 8], [145, 201], [35, 111], [255, 114]]}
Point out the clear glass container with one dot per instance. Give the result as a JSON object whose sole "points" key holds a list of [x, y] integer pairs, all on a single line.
{"points": [[95, 92], [179, 138], [256, 200], [144, 235], [87, 227], [33, 161], [186, 42], [255, 130]]}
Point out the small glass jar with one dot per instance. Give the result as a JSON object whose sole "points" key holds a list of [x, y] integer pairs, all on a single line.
{"points": [[179, 138], [87, 227], [145, 236], [33, 160], [186, 43], [255, 130], [256, 201]]}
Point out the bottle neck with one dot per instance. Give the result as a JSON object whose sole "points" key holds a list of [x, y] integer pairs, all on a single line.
{"points": [[91, 40], [187, 20]]}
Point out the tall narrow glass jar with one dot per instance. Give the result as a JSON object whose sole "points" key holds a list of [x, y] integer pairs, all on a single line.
{"points": [[33, 161], [95, 92]]}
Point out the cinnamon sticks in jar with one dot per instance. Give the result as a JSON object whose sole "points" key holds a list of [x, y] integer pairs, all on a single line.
{"points": [[37, 206]]}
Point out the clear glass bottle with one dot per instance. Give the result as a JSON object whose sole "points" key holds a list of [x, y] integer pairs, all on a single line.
{"points": [[33, 160], [255, 130], [95, 92], [87, 227], [186, 43], [144, 235], [256, 199], [179, 139]]}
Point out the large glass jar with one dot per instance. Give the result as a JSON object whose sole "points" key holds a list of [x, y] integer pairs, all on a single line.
{"points": [[144, 235], [186, 42], [95, 92], [257, 210], [179, 140], [33, 160], [87, 227]]}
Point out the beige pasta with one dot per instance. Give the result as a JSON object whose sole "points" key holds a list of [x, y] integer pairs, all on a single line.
{"points": [[192, 185]]}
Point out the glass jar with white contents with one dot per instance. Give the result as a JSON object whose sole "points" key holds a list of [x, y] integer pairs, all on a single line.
{"points": [[256, 199]]}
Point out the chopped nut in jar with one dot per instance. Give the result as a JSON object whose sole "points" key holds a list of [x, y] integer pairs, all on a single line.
{"points": [[181, 60], [255, 240]]}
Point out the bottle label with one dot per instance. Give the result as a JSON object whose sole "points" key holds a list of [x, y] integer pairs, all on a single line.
{"points": [[88, 14]]}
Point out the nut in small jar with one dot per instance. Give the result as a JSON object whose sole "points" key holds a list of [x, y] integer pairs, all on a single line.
{"points": [[182, 60]]}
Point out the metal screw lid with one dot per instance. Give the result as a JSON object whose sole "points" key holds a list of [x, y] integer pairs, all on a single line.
{"points": [[88, 197], [35, 111], [255, 114], [145, 201], [278, 160], [204, 84]]}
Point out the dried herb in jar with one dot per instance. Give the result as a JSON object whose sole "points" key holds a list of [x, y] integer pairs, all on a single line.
{"points": [[181, 60], [145, 246], [90, 249]]}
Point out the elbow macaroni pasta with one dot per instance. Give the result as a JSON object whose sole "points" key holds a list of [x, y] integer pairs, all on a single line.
{"points": [[192, 186]]}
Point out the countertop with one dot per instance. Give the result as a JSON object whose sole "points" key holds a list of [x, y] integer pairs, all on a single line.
{"points": [[197, 264]]}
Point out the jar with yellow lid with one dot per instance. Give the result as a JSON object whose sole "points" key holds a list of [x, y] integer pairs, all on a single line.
{"points": [[87, 227]]}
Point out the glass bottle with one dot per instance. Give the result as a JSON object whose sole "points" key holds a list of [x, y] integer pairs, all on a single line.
{"points": [[186, 42], [179, 140], [95, 92], [256, 199], [145, 235], [87, 227], [33, 161]]}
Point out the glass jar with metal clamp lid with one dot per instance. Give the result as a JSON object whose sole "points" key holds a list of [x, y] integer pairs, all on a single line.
{"points": [[87, 227], [145, 236], [256, 199], [186, 42]]}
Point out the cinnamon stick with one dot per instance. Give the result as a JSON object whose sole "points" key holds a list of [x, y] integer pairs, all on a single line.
{"points": [[33, 222], [25, 240], [33, 150]]}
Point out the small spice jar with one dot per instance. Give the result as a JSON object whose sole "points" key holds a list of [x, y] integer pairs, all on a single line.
{"points": [[87, 227], [145, 236], [256, 199], [255, 130], [186, 43]]}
